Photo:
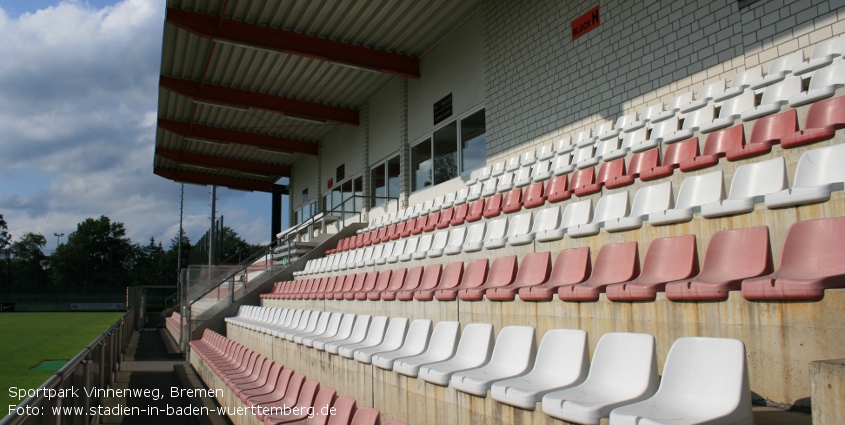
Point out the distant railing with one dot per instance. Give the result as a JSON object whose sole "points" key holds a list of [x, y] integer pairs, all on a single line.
{"points": [[95, 366]]}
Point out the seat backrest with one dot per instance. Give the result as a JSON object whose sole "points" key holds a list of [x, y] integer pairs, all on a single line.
{"points": [[561, 161], [476, 188], [545, 151], [547, 219], [421, 244], [606, 146], [663, 128], [502, 272], [582, 137], [451, 276], [496, 229], [577, 213], [456, 236], [782, 91], [653, 110], [397, 280], [710, 90], [493, 205], [628, 360], [535, 268], [785, 63], [770, 129], [430, 277], [450, 197], [505, 179], [816, 244], [833, 46], [582, 154], [827, 113], [528, 157], [347, 324], [343, 410], [616, 262], [445, 216], [642, 161], [701, 189], [679, 152], [632, 138], [745, 78], [378, 251], [475, 232], [759, 178], [534, 193], [512, 199], [611, 206], [541, 167], [735, 106], [395, 333], [603, 128], [610, 170], [399, 247], [828, 76], [702, 115], [524, 173], [498, 168], [571, 266], [439, 240], [678, 101], [372, 333], [722, 141], [563, 144], [489, 184], [557, 185], [821, 166], [476, 343], [737, 253], [520, 224], [413, 278], [383, 280], [565, 353], [512, 164], [669, 259], [475, 273], [514, 351], [583, 177], [418, 335], [322, 404]]}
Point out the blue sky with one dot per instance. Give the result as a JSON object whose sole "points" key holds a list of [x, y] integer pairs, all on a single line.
{"points": [[78, 98]]}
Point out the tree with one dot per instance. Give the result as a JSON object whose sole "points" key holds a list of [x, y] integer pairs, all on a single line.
{"points": [[5, 237], [28, 261], [4, 254], [97, 253]]}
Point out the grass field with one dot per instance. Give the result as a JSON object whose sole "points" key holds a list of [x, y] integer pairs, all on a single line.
{"points": [[28, 338]]}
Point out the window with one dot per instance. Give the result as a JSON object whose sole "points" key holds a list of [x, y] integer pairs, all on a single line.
{"points": [[454, 149], [345, 199], [306, 212], [384, 181], [304, 195]]}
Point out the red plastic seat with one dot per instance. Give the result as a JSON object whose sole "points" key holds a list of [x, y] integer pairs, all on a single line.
{"points": [[295, 386], [323, 402], [474, 275], [388, 233], [558, 189], [620, 263], [732, 256], [810, 262], [346, 243], [357, 286], [368, 240], [288, 382], [460, 215], [397, 279], [397, 233], [393, 422], [767, 131], [366, 416], [502, 273], [299, 411], [717, 144], [675, 154], [476, 210], [492, 207], [583, 180], [339, 292], [431, 223], [382, 282], [535, 195], [410, 226], [445, 218], [411, 282], [823, 119], [640, 161], [513, 201], [533, 270], [449, 278], [418, 225], [359, 240], [667, 260], [428, 282], [272, 391], [329, 287], [380, 236], [607, 171], [571, 266], [369, 285]]}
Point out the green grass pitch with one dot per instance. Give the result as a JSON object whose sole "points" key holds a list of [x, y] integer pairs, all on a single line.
{"points": [[26, 339]]}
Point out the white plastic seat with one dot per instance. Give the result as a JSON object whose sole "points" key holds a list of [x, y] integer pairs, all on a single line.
{"points": [[368, 255], [541, 171], [582, 158], [647, 200], [495, 235], [695, 191], [512, 164], [623, 371], [563, 146], [441, 347], [393, 338], [473, 350], [583, 138], [341, 261], [416, 341], [456, 241], [819, 172], [823, 84], [449, 200], [387, 252], [343, 328], [602, 148], [672, 107], [359, 257], [522, 177], [823, 55], [407, 212], [426, 207], [398, 250], [545, 152], [438, 244], [731, 111], [518, 228], [378, 250], [461, 196], [575, 213], [512, 355], [633, 141], [505, 184], [307, 324], [562, 164], [411, 245], [750, 184], [646, 115], [779, 69], [476, 189], [692, 121], [616, 129], [705, 95], [658, 132], [373, 337], [562, 361], [484, 174], [357, 334], [608, 207], [498, 169], [331, 326], [422, 247], [474, 240], [546, 219], [739, 83], [318, 321], [436, 204], [528, 158], [774, 97], [705, 380]]}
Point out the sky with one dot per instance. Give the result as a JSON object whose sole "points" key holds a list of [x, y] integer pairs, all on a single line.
{"points": [[78, 99]]}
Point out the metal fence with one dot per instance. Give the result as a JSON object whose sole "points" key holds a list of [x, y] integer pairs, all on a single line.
{"points": [[94, 367]]}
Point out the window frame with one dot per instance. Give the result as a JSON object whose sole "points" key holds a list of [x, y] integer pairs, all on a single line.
{"points": [[384, 163]]}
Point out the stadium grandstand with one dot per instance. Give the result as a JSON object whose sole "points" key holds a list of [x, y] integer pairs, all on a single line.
{"points": [[518, 211]]}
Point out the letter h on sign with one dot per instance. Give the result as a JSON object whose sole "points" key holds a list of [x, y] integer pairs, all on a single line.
{"points": [[585, 23]]}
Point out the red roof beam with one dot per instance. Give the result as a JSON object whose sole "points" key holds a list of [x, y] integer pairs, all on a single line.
{"points": [[292, 43], [252, 100], [199, 178], [224, 135], [221, 162]]}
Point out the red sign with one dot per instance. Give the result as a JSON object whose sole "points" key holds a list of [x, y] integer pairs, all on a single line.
{"points": [[585, 23], [331, 182]]}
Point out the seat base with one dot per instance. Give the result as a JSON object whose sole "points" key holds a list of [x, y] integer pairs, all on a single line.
{"points": [[786, 289]]}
